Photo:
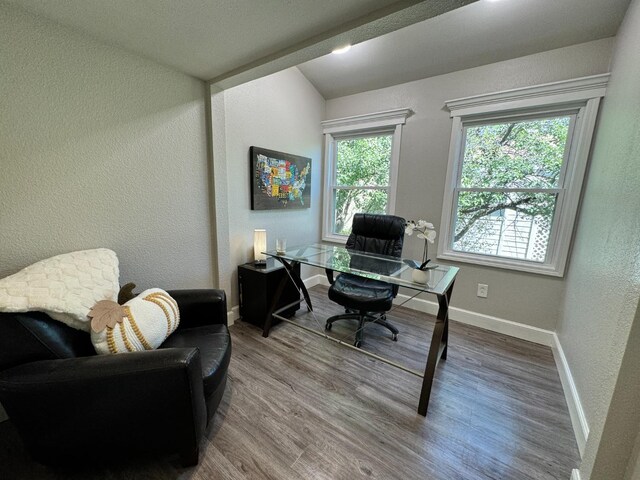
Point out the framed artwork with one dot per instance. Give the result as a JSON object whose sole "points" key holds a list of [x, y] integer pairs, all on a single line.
{"points": [[279, 181]]}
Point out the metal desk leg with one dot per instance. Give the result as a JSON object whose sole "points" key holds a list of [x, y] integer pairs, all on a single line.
{"points": [[297, 280], [290, 267], [437, 349]]}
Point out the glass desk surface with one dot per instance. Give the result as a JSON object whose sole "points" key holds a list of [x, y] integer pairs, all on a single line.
{"points": [[379, 267]]}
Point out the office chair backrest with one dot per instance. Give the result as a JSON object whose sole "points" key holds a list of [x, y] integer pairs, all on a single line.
{"points": [[374, 233]]}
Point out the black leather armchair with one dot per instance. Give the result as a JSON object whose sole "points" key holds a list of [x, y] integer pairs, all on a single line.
{"points": [[69, 404], [366, 299]]}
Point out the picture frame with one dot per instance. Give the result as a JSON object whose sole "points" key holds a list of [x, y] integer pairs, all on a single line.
{"points": [[279, 181]]}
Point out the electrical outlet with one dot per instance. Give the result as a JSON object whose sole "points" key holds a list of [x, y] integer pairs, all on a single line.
{"points": [[483, 290]]}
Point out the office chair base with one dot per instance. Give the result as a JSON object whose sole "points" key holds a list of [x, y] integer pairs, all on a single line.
{"points": [[362, 318]]}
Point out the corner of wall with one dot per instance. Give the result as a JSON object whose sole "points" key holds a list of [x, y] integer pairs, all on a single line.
{"points": [[220, 189]]}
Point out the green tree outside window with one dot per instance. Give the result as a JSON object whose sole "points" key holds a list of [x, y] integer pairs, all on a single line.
{"points": [[507, 190], [362, 178]]}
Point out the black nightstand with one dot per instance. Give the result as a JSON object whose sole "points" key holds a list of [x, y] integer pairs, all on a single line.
{"points": [[257, 287]]}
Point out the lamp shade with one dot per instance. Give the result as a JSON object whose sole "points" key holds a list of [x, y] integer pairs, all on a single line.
{"points": [[259, 245]]}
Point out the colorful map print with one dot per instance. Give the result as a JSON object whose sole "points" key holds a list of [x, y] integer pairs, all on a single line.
{"points": [[281, 179]]}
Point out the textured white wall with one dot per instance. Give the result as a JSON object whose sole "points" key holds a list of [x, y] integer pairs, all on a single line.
{"points": [[100, 148], [603, 282], [280, 112], [520, 297], [611, 449]]}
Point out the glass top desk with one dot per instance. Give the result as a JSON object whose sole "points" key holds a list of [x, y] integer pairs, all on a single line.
{"points": [[380, 267]]}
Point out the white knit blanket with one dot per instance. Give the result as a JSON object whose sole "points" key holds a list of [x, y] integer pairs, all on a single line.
{"points": [[65, 286]]}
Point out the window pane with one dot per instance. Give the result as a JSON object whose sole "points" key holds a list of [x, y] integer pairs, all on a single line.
{"points": [[513, 225], [349, 202], [363, 162], [519, 154]]}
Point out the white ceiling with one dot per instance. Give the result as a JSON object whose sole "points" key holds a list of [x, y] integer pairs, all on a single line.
{"points": [[217, 39], [233, 41], [477, 34]]}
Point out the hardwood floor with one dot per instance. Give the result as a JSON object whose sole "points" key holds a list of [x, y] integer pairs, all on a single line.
{"points": [[301, 407]]}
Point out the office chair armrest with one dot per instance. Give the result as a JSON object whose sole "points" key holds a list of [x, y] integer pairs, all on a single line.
{"points": [[201, 307], [149, 401]]}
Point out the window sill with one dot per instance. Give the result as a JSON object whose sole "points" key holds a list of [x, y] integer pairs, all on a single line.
{"points": [[506, 263], [335, 239]]}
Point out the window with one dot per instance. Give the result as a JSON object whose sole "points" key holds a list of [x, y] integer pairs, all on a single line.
{"points": [[506, 194], [516, 167], [361, 181], [361, 164]]}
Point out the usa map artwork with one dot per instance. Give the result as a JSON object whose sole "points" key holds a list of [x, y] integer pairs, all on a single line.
{"points": [[279, 180]]}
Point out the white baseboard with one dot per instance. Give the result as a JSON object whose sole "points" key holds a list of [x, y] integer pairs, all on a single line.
{"points": [[575, 474], [513, 329], [316, 280], [233, 315], [495, 324], [488, 322], [576, 412]]}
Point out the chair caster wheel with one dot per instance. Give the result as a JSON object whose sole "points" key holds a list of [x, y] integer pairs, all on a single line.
{"points": [[394, 337], [357, 344], [327, 326]]}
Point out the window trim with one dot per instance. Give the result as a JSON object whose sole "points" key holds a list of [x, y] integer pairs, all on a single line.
{"points": [[580, 95], [386, 122]]}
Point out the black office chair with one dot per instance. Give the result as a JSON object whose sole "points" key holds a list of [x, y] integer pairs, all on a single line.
{"points": [[366, 299]]}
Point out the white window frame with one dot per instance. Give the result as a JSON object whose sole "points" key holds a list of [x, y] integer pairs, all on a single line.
{"points": [[387, 122], [579, 97]]}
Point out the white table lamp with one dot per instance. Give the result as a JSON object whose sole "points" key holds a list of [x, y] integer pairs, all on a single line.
{"points": [[259, 246]]}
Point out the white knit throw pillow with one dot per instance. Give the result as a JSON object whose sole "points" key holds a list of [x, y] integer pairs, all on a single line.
{"points": [[142, 323], [64, 287]]}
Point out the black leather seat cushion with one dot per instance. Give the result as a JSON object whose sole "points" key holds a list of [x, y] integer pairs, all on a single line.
{"points": [[361, 293], [214, 344]]}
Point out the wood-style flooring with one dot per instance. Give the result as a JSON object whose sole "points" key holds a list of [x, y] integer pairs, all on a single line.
{"points": [[301, 407]]}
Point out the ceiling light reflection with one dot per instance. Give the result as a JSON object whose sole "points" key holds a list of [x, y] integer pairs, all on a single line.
{"points": [[341, 50]]}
